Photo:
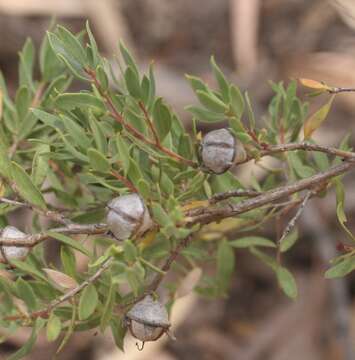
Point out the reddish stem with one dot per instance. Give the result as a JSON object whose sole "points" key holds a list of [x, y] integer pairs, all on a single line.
{"points": [[119, 118]]}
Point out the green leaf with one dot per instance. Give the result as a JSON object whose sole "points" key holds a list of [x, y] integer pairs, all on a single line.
{"points": [[25, 292], [49, 64], [287, 282], [72, 45], [197, 83], [76, 132], [236, 101], [63, 52], [236, 124], [108, 307], [225, 265], [252, 241], [118, 331], [161, 118], [130, 251], [266, 259], [70, 242], [321, 160], [251, 115], [243, 137], [128, 58], [27, 347], [70, 101], [88, 302], [28, 268], [205, 115], [70, 328], [302, 171], [102, 77], [144, 188], [5, 164], [222, 82], [26, 187], [135, 277], [40, 165], [98, 133], [93, 45], [54, 327], [211, 102], [98, 161], [316, 120], [123, 153], [341, 268], [23, 100], [26, 65], [132, 83], [68, 260], [160, 215], [47, 118], [289, 241]]}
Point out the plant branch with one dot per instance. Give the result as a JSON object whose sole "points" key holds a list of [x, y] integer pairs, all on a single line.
{"points": [[232, 193], [338, 90], [71, 229], [124, 181], [293, 221], [275, 149], [67, 296], [53, 215], [215, 214], [149, 123], [119, 118]]}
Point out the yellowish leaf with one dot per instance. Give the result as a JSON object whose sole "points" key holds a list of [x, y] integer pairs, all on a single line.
{"points": [[147, 239], [2, 188], [316, 120], [195, 204], [1, 104], [314, 84], [61, 279]]}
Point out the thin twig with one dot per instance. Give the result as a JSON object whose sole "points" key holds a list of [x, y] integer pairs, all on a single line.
{"points": [[233, 193], [53, 215], [275, 149], [67, 296], [149, 122], [72, 229], [14, 202], [340, 90], [291, 224], [267, 197], [124, 181]]}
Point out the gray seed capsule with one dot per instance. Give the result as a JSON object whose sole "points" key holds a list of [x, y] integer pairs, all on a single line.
{"points": [[128, 216], [13, 252], [220, 150], [148, 320]]}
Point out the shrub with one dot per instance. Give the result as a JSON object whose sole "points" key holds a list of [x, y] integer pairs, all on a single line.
{"points": [[135, 193]]}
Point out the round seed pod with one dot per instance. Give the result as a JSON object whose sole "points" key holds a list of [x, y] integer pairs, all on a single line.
{"points": [[148, 320], [128, 216], [13, 252], [220, 150]]}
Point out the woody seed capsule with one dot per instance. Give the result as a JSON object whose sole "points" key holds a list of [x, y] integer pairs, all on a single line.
{"points": [[13, 252], [128, 216], [148, 320], [220, 150]]}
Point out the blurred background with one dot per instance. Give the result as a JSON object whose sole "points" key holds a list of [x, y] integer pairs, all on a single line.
{"points": [[254, 41]]}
